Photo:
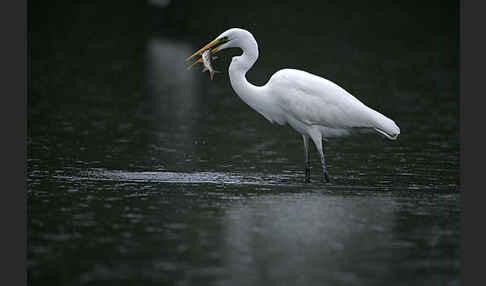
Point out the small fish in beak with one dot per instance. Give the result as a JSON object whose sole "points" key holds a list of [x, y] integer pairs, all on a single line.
{"points": [[206, 57], [208, 63]]}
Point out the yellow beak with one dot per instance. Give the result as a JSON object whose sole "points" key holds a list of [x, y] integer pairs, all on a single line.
{"points": [[200, 60], [216, 44]]}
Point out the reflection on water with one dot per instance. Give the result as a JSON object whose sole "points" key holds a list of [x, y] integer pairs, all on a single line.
{"points": [[298, 239], [173, 94], [174, 90], [303, 238]]}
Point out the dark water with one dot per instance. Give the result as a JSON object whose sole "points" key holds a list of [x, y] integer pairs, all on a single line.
{"points": [[141, 172]]}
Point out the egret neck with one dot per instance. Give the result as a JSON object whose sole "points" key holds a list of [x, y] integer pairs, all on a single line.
{"points": [[251, 94]]}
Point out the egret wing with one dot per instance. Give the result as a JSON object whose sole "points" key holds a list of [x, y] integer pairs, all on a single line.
{"points": [[315, 100]]}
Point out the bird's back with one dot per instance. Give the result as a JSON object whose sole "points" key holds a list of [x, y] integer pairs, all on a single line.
{"points": [[314, 100]]}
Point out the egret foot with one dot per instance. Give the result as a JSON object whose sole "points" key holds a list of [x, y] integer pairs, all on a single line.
{"points": [[307, 175], [325, 177]]}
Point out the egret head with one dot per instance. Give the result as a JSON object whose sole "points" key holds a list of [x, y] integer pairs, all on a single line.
{"points": [[233, 37]]}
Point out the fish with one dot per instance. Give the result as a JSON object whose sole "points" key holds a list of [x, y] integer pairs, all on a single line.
{"points": [[207, 61]]}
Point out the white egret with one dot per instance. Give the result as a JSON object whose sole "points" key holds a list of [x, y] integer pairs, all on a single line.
{"points": [[314, 106]]}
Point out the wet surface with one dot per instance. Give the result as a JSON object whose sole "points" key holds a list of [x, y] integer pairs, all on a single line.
{"points": [[141, 172]]}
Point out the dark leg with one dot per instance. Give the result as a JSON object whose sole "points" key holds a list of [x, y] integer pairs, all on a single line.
{"points": [[325, 174], [318, 142], [306, 156]]}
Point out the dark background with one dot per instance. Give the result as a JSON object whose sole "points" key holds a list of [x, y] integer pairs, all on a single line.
{"points": [[143, 172]]}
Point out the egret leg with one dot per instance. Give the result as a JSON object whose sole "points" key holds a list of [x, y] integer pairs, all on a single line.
{"points": [[318, 142], [306, 156]]}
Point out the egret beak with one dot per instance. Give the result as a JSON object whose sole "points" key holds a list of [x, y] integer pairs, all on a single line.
{"points": [[200, 60], [216, 44]]}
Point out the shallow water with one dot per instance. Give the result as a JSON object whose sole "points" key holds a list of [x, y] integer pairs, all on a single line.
{"points": [[142, 172]]}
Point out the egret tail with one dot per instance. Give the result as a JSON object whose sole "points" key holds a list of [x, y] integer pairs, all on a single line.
{"points": [[385, 125]]}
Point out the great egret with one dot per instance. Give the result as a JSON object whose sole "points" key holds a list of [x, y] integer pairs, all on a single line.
{"points": [[314, 106]]}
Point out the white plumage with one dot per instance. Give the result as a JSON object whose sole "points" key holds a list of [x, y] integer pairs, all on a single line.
{"points": [[314, 106]]}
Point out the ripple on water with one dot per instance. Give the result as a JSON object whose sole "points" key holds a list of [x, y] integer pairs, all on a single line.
{"points": [[374, 181], [179, 177]]}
